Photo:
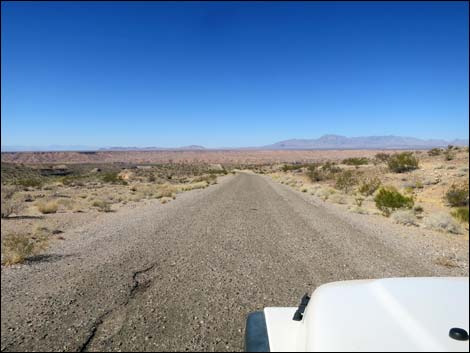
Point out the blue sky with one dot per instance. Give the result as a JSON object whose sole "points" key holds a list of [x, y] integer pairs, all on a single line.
{"points": [[231, 74]]}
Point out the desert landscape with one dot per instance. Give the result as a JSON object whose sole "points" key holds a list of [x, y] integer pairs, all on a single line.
{"points": [[380, 213], [43, 197], [234, 176]]}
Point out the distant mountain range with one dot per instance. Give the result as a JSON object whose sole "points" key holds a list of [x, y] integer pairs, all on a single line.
{"points": [[367, 142], [325, 142]]}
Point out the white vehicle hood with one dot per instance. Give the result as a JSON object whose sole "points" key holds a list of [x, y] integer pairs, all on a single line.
{"points": [[396, 314]]}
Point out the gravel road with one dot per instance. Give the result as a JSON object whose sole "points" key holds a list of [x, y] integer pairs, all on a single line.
{"points": [[184, 275]]}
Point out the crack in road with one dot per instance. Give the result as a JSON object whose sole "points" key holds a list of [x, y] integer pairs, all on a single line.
{"points": [[137, 284]]}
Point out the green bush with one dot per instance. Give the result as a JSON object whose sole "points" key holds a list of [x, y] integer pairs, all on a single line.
{"points": [[356, 161], [457, 195], [29, 182], [389, 199], [113, 178], [402, 162], [369, 185], [461, 214], [345, 181], [288, 167]]}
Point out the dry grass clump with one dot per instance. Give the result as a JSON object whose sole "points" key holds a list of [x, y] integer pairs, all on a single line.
{"points": [[446, 262], [369, 185], [358, 209], [460, 214], [339, 199], [102, 205], [16, 248], [166, 190], [9, 204], [407, 218], [46, 207], [442, 222], [193, 186], [165, 199]]}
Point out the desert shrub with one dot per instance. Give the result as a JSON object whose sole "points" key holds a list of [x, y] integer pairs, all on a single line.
{"points": [[16, 248], [9, 205], [356, 161], [389, 199], [442, 222], [457, 195], [46, 207], [369, 185], [345, 181], [29, 182], [461, 214], [382, 157], [319, 172], [113, 178], [402, 162], [102, 205], [405, 217], [449, 155], [435, 152], [331, 167], [418, 209], [289, 167]]}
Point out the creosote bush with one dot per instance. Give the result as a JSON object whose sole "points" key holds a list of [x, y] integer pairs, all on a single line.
{"points": [[402, 162], [389, 199], [382, 157], [319, 172], [345, 181], [457, 195], [356, 161]]}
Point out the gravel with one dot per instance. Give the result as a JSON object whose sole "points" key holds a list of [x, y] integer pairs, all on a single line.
{"points": [[184, 275]]}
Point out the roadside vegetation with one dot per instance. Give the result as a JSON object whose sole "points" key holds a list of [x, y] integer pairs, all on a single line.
{"points": [[426, 189], [46, 196]]}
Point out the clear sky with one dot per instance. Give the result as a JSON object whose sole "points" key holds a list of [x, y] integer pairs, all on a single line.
{"points": [[231, 74]]}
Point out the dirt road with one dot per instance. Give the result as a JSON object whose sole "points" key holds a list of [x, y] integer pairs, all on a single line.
{"points": [[183, 276]]}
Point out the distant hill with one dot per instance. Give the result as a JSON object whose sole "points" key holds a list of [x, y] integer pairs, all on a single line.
{"points": [[366, 142]]}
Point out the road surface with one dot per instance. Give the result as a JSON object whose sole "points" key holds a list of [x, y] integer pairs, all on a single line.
{"points": [[184, 275]]}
